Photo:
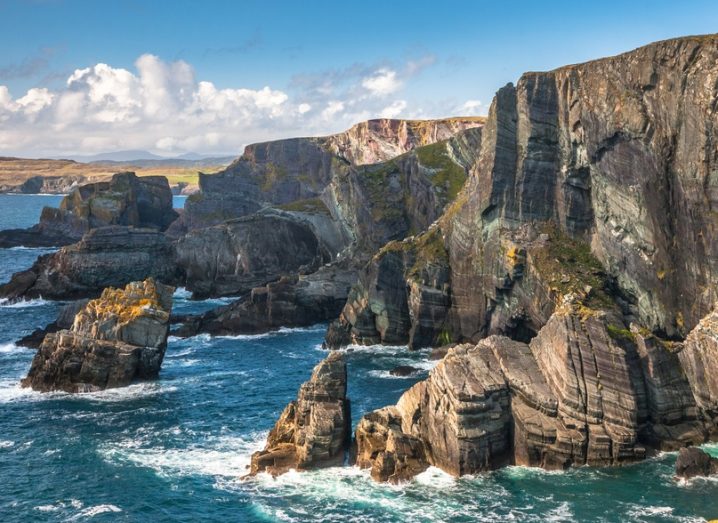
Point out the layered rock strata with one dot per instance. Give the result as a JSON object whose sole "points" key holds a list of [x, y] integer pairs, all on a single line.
{"points": [[105, 257], [314, 430], [126, 200], [585, 390], [114, 340]]}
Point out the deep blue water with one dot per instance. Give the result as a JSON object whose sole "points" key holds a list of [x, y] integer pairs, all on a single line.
{"points": [[175, 449]]}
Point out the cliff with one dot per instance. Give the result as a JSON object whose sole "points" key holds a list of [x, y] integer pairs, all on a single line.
{"points": [[596, 178]]}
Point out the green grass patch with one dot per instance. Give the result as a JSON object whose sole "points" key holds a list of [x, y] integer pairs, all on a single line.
{"points": [[448, 175]]}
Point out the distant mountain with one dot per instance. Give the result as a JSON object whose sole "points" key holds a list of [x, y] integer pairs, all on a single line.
{"points": [[116, 156], [141, 158]]}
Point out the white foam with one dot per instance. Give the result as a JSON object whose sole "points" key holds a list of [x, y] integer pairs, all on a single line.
{"points": [[388, 375], [277, 332], [91, 512], [6, 444], [377, 349], [182, 293], [10, 347], [21, 304], [435, 477], [11, 391], [219, 457]]}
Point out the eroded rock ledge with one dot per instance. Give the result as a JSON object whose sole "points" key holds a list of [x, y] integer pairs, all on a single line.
{"points": [[114, 340], [585, 391], [314, 430]]}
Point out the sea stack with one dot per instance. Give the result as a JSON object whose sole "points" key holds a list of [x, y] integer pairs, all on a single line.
{"points": [[314, 430], [115, 340]]}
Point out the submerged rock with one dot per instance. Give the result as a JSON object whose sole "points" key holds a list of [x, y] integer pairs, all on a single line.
{"points": [[116, 339], [314, 430], [693, 462]]}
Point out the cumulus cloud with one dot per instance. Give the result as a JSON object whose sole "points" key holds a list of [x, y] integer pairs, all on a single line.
{"points": [[162, 106]]}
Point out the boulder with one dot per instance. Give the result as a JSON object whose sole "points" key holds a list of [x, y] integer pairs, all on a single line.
{"points": [[314, 430], [115, 340], [693, 462]]}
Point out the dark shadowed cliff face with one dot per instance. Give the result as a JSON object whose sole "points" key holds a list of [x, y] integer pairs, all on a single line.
{"points": [[597, 179]]}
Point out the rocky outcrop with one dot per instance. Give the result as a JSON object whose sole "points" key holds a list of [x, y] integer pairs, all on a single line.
{"points": [[367, 206], [233, 258], [693, 462], [114, 340], [314, 430], [65, 319], [105, 257], [124, 200], [698, 358], [585, 390], [376, 141], [293, 301]]}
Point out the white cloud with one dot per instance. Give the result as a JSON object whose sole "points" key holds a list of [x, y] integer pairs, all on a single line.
{"points": [[163, 107], [382, 82], [472, 108], [393, 110]]}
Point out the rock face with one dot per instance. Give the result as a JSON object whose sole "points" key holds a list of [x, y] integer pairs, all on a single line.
{"points": [[114, 340], [698, 359], [284, 171], [234, 257], [124, 200], [358, 212], [584, 391], [105, 257], [693, 462], [314, 430], [612, 158], [296, 301]]}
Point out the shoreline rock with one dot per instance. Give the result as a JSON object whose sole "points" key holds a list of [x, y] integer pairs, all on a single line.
{"points": [[314, 430], [114, 340]]}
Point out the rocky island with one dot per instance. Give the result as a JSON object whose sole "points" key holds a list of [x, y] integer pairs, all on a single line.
{"points": [[114, 340]]}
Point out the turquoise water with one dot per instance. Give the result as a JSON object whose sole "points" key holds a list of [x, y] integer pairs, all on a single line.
{"points": [[176, 449]]}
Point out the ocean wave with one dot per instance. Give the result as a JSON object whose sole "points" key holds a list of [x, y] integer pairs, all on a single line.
{"points": [[6, 444], [386, 374], [95, 510], [377, 349], [218, 457], [277, 332], [10, 347], [182, 293], [12, 392], [34, 249], [21, 304]]}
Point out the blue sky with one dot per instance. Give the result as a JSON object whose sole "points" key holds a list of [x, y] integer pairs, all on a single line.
{"points": [[213, 76]]}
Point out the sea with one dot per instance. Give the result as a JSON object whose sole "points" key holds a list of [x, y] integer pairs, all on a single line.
{"points": [[177, 449]]}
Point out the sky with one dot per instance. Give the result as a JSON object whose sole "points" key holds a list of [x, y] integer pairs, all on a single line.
{"points": [[170, 77]]}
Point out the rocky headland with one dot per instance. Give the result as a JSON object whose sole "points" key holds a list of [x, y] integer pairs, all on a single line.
{"points": [[565, 246]]}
